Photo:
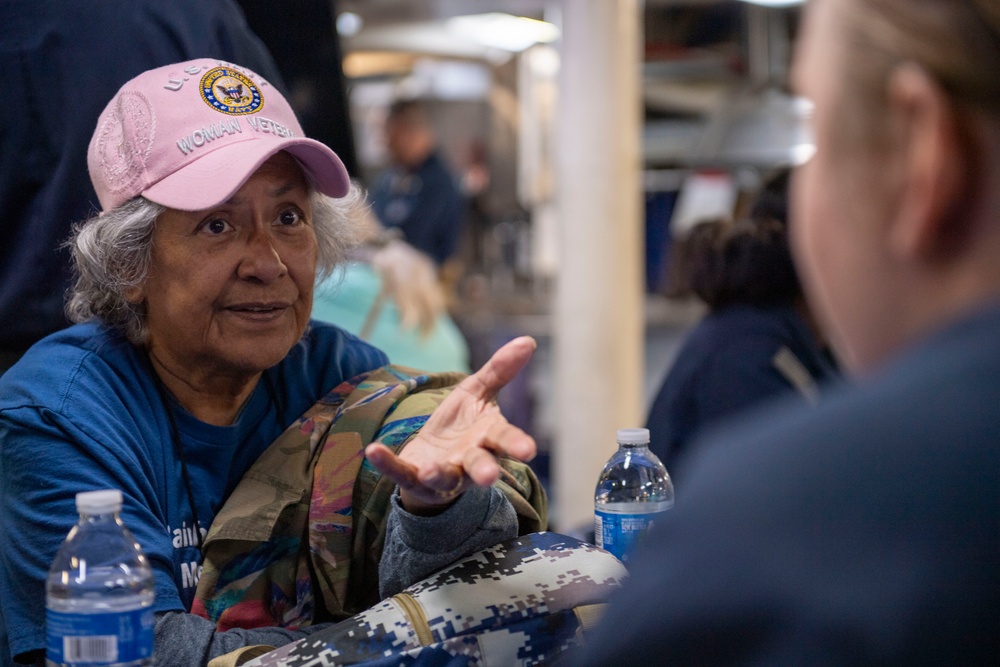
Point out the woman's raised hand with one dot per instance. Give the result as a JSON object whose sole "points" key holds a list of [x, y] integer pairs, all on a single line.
{"points": [[460, 443]]}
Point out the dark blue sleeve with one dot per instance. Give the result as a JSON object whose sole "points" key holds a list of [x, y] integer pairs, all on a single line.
{"points": [[346, 355], [326, 356]]}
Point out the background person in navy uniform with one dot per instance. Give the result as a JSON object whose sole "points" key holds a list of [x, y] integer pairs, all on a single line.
{"points": [[60, 62], [758, 341], [865, 531], [418, 193]]}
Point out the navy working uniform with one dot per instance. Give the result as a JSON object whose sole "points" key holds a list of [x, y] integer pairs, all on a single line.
{"points": [[425, 205], [737, 357]]}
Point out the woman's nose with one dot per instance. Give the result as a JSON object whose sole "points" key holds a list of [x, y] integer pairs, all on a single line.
{"points": [[262, 260]]}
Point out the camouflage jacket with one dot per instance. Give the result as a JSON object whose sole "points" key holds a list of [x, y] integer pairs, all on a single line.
{"points": [[300, 538]]}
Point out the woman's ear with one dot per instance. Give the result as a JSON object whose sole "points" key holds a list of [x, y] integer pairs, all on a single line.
{"points": [[934, 165]]}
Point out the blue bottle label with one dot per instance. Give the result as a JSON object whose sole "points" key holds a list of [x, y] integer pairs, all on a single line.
{"points": [[98, 639], [619, 533]]}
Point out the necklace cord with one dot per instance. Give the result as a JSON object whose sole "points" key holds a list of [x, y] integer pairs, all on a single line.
{"points": [[275, 396], [175, 436]]}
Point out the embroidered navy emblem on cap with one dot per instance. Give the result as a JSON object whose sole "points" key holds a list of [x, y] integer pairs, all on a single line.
{"points": [[230, 91]]}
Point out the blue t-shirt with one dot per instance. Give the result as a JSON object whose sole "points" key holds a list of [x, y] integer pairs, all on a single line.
{"points": [[81, 411]]}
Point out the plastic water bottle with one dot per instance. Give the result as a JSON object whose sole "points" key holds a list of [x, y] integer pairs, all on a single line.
{"points": [[632, 491], [99, 594]]}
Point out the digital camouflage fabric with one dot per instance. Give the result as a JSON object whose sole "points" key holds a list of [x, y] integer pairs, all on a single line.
{"points": [[519, 603]]}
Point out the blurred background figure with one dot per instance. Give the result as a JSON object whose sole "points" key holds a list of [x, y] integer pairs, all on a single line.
{"points": [[60, 62], [388, 295], [758, 340], [417, 193]]}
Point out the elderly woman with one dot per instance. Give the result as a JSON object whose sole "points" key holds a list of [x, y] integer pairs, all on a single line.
{"points": [[865, 531], [194, 351]]}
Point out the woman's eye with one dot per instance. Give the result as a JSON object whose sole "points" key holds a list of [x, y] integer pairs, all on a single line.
{"points": [[215, 226], [289, 217]]}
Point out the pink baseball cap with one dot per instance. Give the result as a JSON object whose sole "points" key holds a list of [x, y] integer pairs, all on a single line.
{"points": [[187, 136]]}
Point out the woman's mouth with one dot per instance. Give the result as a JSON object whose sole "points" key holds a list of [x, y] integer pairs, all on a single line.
{"points": [[258, 311]]}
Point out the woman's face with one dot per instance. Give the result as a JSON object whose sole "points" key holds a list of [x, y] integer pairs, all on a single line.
{"points": [[230, 289]]}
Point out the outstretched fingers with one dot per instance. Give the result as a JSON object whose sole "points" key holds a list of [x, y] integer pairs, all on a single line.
{"points": [[503, 438], [440, 477], [481, 463], [386, 462], [500, 369]]}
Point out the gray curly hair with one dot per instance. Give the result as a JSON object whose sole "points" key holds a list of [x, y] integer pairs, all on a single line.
{"points": [[112, 253]]}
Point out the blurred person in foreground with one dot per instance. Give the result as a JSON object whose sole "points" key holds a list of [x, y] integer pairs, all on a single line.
{"points": [[194, 350], [60, 63], [417, 193], [865, 531], [757, 342]]}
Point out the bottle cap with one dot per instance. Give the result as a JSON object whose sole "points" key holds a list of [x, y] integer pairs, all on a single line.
{"points": [[99, 502], [633, 436]]}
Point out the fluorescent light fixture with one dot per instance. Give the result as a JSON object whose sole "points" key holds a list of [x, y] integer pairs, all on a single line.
{"points": [[503, 31]]}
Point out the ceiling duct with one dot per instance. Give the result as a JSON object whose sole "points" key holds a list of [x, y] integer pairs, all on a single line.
{"points": [[759, 123]]}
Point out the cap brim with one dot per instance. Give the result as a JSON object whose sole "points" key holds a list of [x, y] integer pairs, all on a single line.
{"points": [[215, 177]]}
